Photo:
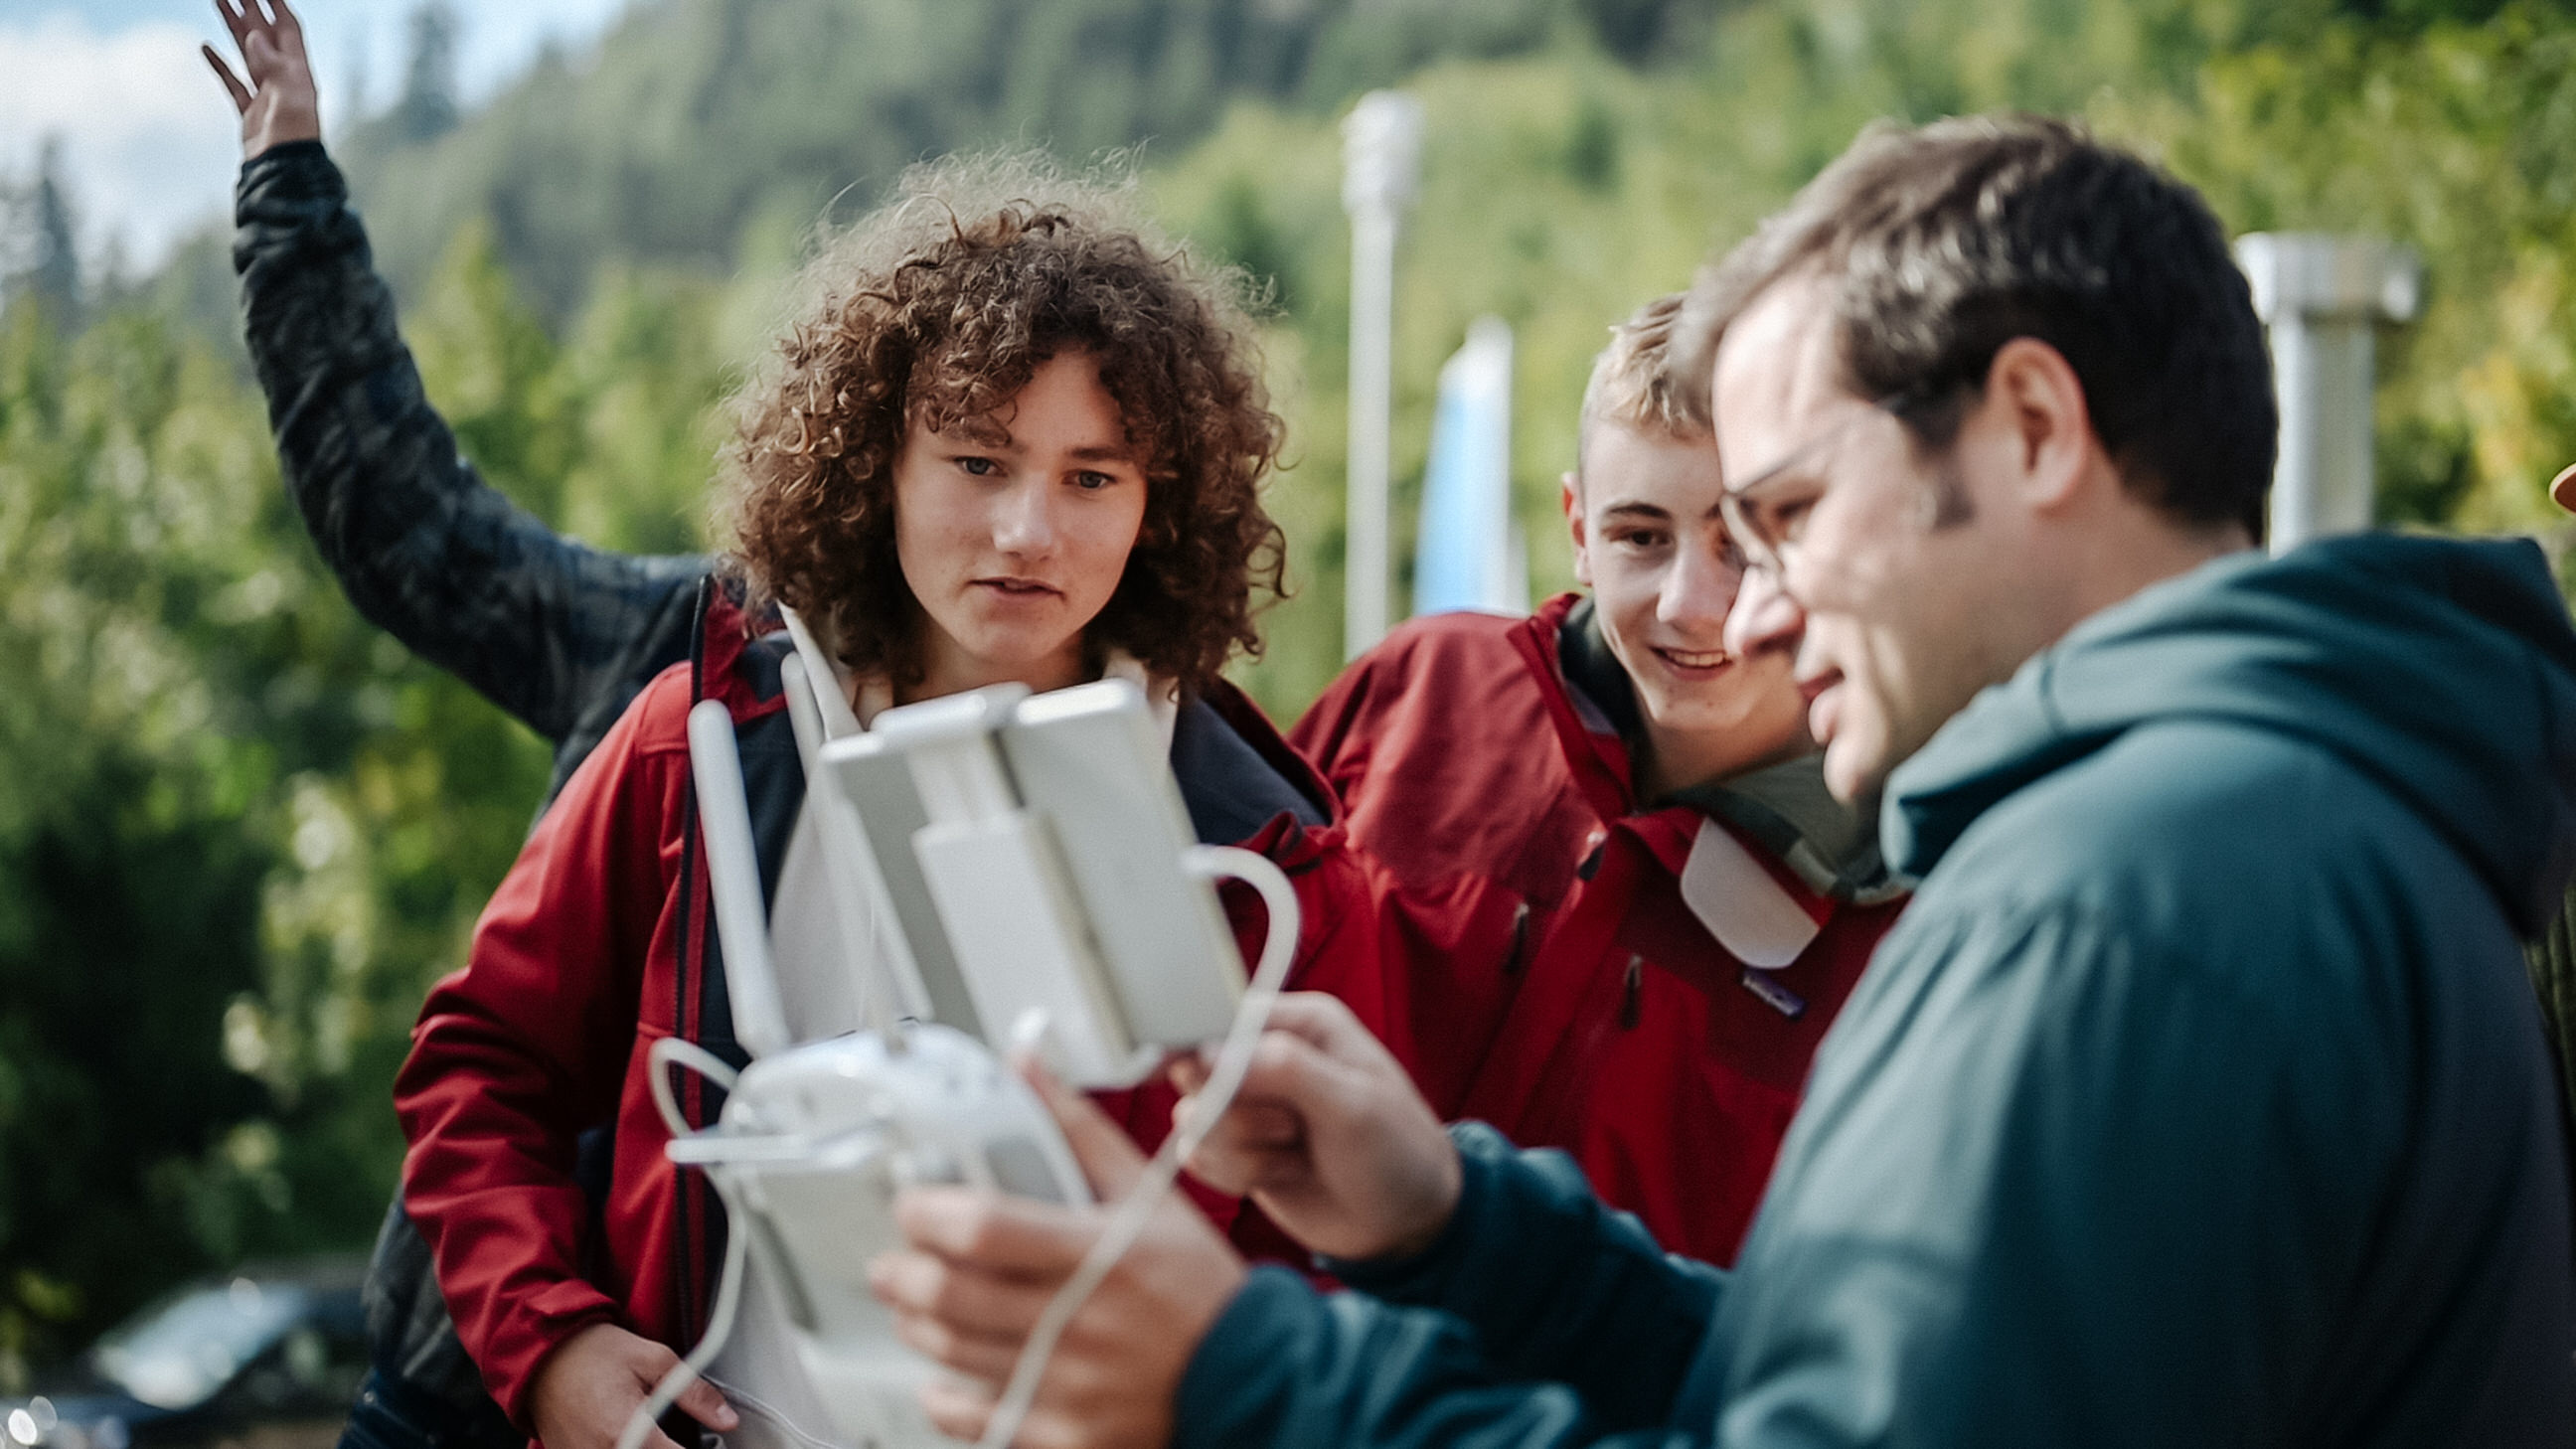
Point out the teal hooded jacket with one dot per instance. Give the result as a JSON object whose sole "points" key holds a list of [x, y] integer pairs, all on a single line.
{"points": [[2200, 1099]]}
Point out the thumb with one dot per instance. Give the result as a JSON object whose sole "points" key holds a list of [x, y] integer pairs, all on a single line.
{"points": [[1107, 1155], [705, 1403], [701, 1400]]}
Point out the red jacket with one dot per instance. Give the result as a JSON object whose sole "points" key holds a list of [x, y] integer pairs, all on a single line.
{"points": [[595, 945], [1629, 1037]]}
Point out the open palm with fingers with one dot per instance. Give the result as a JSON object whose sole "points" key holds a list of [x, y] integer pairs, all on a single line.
{"points": [[279, 103]]}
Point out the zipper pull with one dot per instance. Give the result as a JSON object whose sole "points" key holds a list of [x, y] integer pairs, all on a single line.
{"points": [[1515, 958]]}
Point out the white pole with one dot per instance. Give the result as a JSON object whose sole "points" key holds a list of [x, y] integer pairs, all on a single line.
{"points": [[1382, 142], [2322, 297]]}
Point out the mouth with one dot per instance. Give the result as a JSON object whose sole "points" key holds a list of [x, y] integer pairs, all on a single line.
{"points": [[1013, 587], [1693, 663]]}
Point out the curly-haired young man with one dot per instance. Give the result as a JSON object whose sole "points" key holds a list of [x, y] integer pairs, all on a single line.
{"points": [[1007, 440], [956, 474]]}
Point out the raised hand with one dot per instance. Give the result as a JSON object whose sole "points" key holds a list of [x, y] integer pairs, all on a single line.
{"points": [[1328, 1134], [280, 103]]}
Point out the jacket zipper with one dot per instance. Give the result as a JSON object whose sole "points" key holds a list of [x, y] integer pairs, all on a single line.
{"points": [[1513, 959], [688, 1264]]}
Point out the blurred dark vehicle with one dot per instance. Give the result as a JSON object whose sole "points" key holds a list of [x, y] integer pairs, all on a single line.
{"points": [[265, 1357]]}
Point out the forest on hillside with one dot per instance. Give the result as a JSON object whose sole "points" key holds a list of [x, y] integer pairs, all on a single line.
{"points": [[247, 831]]}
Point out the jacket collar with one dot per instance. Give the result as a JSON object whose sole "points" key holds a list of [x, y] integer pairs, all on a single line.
{"points": [[1785, 808], [1587, 730]]}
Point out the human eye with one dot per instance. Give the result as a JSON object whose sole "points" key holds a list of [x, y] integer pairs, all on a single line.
{"points": [[975, 465], [1640, 539], [1090, 481], [1780, 519]]}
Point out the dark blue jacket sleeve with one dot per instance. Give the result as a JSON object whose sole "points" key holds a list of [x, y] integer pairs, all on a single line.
{"points": [[1286, 1366], [557, 633], [1555, 1283], [1539, 1318]]}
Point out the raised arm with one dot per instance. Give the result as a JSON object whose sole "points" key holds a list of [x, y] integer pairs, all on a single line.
{"points": [[559, 634]]}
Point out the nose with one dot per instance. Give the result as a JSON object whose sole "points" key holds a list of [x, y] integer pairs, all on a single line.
{"points": [[1024, 523], [1699, 591], [1764, 617]]}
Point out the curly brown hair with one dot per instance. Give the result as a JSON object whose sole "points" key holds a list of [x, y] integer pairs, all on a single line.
{"points": [[937, 309]]}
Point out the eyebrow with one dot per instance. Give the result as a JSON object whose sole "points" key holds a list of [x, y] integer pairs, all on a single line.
{"points": [[999, 440], [1786, 465], [980, 432], [1657, 513]]}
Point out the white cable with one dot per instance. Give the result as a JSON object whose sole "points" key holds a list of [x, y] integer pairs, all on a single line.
{"points": [[1134, 1210], [668, 1052], [673, 1051]]}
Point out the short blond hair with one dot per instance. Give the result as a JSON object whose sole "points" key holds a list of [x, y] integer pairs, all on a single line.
{"points": [[1632, 383]]}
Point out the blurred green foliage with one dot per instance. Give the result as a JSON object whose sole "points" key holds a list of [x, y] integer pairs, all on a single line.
{"points": [[696, 115], [238, 829], [243, 831]]}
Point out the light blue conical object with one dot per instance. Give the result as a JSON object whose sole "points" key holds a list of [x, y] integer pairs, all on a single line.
{"points": [[1467, 553]]}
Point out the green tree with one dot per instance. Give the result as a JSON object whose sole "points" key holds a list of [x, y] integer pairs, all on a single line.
{"points": [[39, 242], [130, 828], [2459, 140], [246, 829]]}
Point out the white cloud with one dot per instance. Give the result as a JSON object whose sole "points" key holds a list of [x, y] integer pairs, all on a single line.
{"points": [[149, 140]]}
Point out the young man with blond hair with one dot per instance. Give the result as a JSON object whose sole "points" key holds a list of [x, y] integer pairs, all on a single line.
{"points": [[1693, 906]]}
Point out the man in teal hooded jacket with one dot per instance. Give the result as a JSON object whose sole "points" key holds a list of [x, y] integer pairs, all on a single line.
{"points": [[2200, 1098]]}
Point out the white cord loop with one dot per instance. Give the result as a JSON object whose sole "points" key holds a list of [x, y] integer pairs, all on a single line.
{"points": [[1126, 1222], [672, 1051], [1136, 1209]]}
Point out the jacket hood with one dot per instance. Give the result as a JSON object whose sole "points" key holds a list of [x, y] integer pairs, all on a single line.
{"points": [[2445, 670]]}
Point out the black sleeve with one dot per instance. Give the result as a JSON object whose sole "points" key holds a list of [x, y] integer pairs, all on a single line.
{"points": [[555, 632]]}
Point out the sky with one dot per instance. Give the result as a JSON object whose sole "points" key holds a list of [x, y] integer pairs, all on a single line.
{"points": [[150, 142]]}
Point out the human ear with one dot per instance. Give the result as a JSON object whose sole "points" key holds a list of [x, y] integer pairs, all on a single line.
{"points": [[1569, 497], [2036, 404]]}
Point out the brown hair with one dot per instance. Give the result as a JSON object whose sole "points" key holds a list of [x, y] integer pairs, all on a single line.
{"points": [[1939, 244], [937, 309], [1632, 383]]}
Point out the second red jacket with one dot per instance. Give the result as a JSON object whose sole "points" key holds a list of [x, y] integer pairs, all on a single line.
{"points": [[1622, 1032]]}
